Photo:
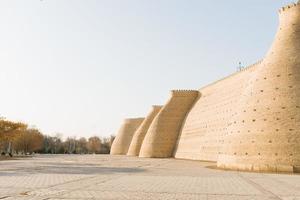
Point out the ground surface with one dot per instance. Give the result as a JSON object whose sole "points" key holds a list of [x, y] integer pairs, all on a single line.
{"points": [[117, 177]]}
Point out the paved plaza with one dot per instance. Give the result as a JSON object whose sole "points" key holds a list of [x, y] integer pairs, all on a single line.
{"points": [[119, 177]]}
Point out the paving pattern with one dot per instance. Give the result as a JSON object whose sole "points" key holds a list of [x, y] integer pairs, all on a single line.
{"points": [[56, 177]]}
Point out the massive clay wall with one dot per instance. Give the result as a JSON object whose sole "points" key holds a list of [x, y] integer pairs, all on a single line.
{"points": [[251, 120], [204, 128], [247, 121], [123, 139], [264, 133], [163, 132], [139, 135]]}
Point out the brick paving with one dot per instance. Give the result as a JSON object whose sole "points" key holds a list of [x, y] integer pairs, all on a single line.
{"points": [[56, 177]]}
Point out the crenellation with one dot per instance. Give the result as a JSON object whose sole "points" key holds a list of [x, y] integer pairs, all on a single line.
{"points": [[292, 5], [184, 92], [156, 106]]}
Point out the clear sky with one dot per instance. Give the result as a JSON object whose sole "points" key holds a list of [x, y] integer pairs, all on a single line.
{"points": [[78, 67]]}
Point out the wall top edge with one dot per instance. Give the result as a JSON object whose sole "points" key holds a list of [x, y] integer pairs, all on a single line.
{"points": [[234, 74], [157, 106], [126, 120], [184, 91], [289, 6]]}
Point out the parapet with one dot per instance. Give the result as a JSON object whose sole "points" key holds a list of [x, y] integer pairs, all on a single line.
{"points": [[287, 7], [157, 107], [132, 120], [192, 93]]}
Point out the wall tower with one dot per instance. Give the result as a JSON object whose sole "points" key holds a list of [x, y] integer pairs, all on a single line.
{"points": [[139, 135], [264, 133], [123, 139], [163, 132]]}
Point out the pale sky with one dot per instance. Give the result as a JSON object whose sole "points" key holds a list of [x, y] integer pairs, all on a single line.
{"points": [[78, 67]]}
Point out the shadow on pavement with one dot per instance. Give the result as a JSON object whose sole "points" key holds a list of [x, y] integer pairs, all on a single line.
{"points": [[80, 170]]}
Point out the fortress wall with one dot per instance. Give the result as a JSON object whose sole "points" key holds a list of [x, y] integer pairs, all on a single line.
{"points": [[251, 120], [247, 121], [163, 132], [123, 139], [139, 135], [206, 123], [264, 133]]}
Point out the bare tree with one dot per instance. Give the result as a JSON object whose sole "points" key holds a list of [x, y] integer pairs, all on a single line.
{"points": [[94, 144], [82, 146]]}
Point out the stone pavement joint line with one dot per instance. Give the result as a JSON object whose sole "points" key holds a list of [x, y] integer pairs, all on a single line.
{"points": [[260, 188], [53, 177]]}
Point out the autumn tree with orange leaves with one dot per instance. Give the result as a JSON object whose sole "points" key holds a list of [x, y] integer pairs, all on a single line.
{"points": [[18, 138], [28, 141], [9, 131]]}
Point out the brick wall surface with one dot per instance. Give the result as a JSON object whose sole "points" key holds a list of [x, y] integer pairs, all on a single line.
{"points": [[163, 132], [206, 123], [139, 135], [264, 133], [124, 136], [247, 121]]}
